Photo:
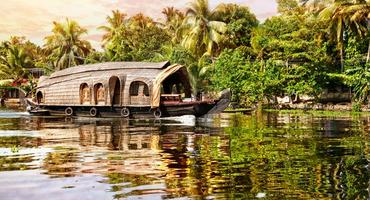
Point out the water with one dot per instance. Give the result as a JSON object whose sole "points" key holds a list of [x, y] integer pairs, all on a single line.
{"points": [[269, 156]]}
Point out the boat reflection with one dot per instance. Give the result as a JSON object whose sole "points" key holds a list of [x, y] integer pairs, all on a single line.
{"points": [[285, 156], [134, 152]]}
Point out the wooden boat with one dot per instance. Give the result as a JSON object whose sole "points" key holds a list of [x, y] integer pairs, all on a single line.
{"points": [[121, 89]]}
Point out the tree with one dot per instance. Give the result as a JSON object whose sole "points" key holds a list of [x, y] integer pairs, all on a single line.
{"points": [[249, 81], [315, 6], [286, 5], [337, 17], [359, 19], [65, 47], [33, 51], [204, 34], [174, 23], [16, 55], [13, 65], [140, 39], [359, 79], [293, 40], [115, 23], [240, 22]]}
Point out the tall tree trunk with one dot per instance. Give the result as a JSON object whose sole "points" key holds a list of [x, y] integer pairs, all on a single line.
{"points": [[368, 53], [341, 46], [341, 58]]}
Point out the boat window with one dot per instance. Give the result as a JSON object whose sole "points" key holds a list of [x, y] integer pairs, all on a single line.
{"points": [[115, 90], [85, 95], [139, 93], [39, 97], [139, 88], [99, 94]]}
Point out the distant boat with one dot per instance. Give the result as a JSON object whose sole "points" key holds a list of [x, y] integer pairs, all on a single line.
{"points": [[121, 89]]}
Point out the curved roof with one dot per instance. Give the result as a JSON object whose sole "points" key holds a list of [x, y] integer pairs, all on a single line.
{"points": [[109, 66], [155, 73]]}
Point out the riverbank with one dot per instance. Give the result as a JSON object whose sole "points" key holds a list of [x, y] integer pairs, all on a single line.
{"points": [[321, 106], [307, 107]]}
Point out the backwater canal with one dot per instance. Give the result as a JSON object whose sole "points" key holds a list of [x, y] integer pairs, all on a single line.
{"points": [[286, 155]]}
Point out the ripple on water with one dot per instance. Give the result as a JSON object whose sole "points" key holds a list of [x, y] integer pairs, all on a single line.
{"points": [[271, 156], [15, 133], [10, 114]]}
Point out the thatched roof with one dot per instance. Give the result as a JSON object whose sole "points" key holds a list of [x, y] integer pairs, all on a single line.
{"points": [[64, 85], [109, 66], [102, 71]]}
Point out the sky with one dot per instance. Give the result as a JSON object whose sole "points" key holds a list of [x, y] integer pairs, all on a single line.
{"points": [[33, 18]]}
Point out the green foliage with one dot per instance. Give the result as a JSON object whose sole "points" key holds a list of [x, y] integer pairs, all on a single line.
{"points": [[204, 34], [356, 107], [115, 23], [14, 62], [64, 47], [95, 57], [140, 39], [174, 24], [180, 55], [360, 81], [286, 5], [240, 22], [249, 81]]}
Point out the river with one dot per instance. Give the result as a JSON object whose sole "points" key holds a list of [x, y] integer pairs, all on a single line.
{"points": [[286, 155]]}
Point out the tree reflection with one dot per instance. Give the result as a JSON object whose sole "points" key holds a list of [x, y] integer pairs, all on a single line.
{"points": [[287, 156]]}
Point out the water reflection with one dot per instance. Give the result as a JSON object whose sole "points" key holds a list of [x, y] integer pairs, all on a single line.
{"points": [[287, 156]]}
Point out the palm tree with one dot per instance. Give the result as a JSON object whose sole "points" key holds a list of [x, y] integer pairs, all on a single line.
{"points": [[13, 65], [174, 23], [359, 20], [116, 22], [337, 17], [224, 9], [65, 46], [204, 34], [140, 21], [315, 5]]}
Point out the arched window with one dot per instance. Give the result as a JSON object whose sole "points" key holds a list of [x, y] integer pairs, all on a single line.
{"points": [[39, 97], [115, 90], [85, 96], [139, 88], [99, 93], [139, 93]]}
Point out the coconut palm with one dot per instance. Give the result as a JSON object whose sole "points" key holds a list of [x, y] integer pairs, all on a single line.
{"points": [[224, 9], [13, 65], [359, 20], [140, 21], [115, 23], [337, 18], [315, 5], [174, 23], [204, 34], [65, 46]]}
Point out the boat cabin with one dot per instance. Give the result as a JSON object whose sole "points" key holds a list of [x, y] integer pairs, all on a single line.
{"points": [[122, 84]]}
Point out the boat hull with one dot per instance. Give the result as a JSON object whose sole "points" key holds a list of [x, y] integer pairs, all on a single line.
{"points": [[166, 110]]}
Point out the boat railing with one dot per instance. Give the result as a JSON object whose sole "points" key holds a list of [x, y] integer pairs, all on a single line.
{"points": [[171, 97]]}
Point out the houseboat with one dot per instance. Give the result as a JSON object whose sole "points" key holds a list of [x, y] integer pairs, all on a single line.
{"points": [[121, 89]]}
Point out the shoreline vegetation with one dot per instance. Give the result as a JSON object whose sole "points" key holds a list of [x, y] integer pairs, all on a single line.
{"points": [[315, 50]]}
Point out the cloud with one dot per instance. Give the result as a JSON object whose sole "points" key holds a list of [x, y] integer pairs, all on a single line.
{"points": [[34, 18]]}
